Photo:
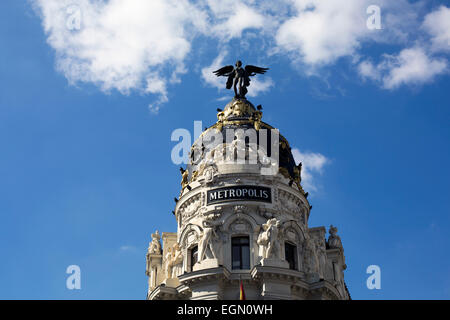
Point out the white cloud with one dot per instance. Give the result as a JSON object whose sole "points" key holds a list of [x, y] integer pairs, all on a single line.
{"points": [[313, 163], [437, 24], [410, 66], [121, 44], [232, 17], [368, 71], [208, 75], [127, 248], [156, 85], [323, 31], [142, 46], [259, 86]]}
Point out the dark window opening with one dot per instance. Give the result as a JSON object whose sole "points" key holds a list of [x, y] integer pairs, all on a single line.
{"points": [[194, 257], [240, 253], [290, 252]]}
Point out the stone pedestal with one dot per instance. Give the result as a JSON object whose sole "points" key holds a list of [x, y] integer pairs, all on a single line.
{"points": [[206, 264], [206, 284], [278, 263], [171, 282]]}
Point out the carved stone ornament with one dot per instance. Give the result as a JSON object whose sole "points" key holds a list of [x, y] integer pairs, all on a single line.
{"points": [[209, 173], [192, 237], [291, 235], [190, 207], [292, 204], [240, 226], [240, 209]]}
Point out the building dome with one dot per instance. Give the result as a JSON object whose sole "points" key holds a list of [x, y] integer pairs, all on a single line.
{"points": [[242, 215], [241, 114]]}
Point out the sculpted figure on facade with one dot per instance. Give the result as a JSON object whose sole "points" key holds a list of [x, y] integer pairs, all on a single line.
{"points": [[220, 120], [167, 258], [311, 260], [322, 257], [339, 278], [298, 173], [219, 153], [184, 178], [174, 260], [177, 260], [209, 231], [238, 147], [256, 117], [334, 241], [229, 153], [268, 239], [155, 245]]}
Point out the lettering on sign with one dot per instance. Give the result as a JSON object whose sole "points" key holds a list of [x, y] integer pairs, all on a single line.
{"points": [[249, 193]]}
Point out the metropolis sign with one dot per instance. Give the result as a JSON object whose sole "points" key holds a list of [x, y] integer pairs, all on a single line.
{"points": [[249, 193]]}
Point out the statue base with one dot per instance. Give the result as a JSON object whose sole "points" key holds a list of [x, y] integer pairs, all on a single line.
{"points": [[206, 264], [274, 263], [171, 282]]}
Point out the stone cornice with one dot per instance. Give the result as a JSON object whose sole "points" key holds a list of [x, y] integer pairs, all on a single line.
{"points": [[325, 287], [259, 272], [162, 292]]}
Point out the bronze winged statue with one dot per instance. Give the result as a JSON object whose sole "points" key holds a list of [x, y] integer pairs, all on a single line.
{"points": [[239, 76]]}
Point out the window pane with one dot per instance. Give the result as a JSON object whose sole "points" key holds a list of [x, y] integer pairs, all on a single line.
{"points": [[244, 240], [245, 257], [240, 252], [236, 259]]}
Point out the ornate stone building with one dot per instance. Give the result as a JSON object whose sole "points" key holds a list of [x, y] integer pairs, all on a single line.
{"points": [[242, 215]]}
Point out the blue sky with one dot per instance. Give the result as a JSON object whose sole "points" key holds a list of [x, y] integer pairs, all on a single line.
{"points": [[86, 116]]}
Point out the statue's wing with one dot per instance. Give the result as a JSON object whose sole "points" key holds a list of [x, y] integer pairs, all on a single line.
{"points": [[230, 80], [224, 71], [252, 70]]}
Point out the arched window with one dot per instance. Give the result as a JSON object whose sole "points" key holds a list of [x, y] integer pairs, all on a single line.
{"points": [[240, 253], [290, 252]]}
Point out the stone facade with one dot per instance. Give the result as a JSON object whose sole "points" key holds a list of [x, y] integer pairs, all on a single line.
{"points": [[237, 223]]}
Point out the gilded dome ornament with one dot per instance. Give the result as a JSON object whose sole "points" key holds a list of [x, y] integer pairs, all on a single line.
{"points": [[184, 178]]}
